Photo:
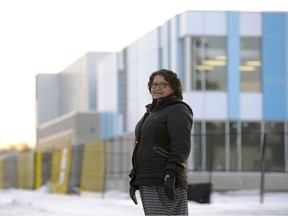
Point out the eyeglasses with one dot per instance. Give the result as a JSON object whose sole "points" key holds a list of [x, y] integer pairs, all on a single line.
{"points": [[160, 85]]}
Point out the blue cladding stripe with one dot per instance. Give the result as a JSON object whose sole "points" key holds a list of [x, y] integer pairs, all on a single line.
{"points": [[274, 58], [106, 125], [274, 66], [274, 24], [233, 63], [286, 65], [274, 101]]}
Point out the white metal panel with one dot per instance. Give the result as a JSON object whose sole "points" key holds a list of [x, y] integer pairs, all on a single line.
{"points": [[107, 84], [196, 102], [143, 60], [208, 105], [47, 97], [250, 24], [251, 107], [183, 27], [203, 23], [174, 44], [192, 23], [216, 106], [174, 28], [165, 45], [215, 23], [164, 34]]}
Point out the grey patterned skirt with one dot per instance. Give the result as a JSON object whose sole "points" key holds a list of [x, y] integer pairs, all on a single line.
{"points": [[155, 201]]}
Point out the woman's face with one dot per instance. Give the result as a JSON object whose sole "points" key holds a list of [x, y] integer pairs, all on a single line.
{"points": [[160, 87]]}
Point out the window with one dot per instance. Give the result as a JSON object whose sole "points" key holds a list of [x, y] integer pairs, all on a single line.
{"points": [[251, 157], [196, 61], [250, 68], [197, 145], [275, 150], [233, 137], [209, 63], [215, 146], [238, 149]]}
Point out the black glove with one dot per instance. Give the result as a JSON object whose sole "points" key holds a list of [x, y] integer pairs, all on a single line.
{"points": [[169, 185], [132, 192]]}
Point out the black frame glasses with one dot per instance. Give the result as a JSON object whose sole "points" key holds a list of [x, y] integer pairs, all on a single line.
{"points": [[161, 85]]}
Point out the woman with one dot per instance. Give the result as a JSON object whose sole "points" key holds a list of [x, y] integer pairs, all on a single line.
{"points": [[163, 143]]}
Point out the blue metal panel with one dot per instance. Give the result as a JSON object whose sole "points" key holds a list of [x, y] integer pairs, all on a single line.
{"points": [[274, 64], [286, 69], [107, 123], [233, 66], [274, 24], [274, 101], [274, 58]]}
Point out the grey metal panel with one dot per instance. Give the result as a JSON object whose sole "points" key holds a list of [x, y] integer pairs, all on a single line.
{"points": [[10, 169], [119, 163]]}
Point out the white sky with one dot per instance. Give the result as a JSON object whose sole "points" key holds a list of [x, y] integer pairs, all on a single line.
{"points": [[46, 36]]}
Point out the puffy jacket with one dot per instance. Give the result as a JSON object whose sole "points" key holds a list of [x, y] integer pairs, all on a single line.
{"points": [[163, 143]]}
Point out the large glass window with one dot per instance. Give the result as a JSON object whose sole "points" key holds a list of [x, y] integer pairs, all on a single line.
{"points": [[275, 150], [209, 63], [250, 68], [251, 146], [215, 146], [212, 150]]}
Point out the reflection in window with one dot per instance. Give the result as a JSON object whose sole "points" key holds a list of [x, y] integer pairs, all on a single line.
{"points": [[275, 150], [196, 60], [250, 68], [215, 145], [209, 63], [233, 145], [215, 63], [197, 146], [251, 146]]}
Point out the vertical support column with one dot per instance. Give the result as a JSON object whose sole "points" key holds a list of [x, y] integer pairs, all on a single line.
{"points": [[233, 62]]}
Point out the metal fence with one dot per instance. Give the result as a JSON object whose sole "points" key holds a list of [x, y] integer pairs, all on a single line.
{"points": [[104, 165]]}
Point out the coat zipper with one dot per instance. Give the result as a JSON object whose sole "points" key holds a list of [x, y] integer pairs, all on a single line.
{"points": [[138, 140]]}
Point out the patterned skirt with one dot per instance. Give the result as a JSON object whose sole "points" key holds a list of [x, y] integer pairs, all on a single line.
{"points": [[155, 201]]}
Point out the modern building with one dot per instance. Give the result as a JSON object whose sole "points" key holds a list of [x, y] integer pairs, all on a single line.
{"points": [[234, 71], [66, 105]]}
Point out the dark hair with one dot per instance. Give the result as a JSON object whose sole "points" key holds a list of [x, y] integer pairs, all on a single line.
{"points": [[171, 78]]}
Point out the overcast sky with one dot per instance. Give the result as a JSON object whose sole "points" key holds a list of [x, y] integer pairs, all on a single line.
{"points": [[46, 36]]}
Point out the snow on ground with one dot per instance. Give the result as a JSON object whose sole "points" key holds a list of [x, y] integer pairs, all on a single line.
{"points": [[15, 202]]}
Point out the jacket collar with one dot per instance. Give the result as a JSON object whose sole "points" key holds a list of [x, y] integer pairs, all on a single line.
{"points": [[165, 101], [159, 102]]}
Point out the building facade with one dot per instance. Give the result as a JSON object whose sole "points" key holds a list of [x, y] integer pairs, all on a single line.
{"points": [[233, 67]]}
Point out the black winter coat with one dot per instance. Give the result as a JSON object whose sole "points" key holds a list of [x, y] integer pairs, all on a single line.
{"points": [[163, 143]]}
